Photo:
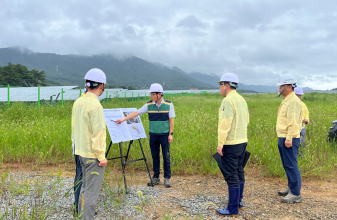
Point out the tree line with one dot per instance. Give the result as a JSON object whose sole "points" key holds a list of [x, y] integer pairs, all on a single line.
{"points": [[19, 75], [122, 87]]}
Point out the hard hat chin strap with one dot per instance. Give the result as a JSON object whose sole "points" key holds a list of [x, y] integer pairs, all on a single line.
{"points": [[284, 89], [224, 86]]}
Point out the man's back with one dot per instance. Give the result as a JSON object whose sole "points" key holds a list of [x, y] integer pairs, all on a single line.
{"points": [[234, 111], [89, 127]]}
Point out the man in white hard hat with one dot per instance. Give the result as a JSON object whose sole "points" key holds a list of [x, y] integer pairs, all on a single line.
{"points": [[299, 92], [232, 141], [78, 175], [288, 128], [89, 131], [161, 117]]}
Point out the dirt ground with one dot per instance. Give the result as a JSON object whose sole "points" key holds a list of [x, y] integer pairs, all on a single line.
{"points": [[260, 196]]}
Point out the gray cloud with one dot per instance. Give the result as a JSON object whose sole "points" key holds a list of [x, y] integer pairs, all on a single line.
{"points": [[192, 21], [259, 40]]}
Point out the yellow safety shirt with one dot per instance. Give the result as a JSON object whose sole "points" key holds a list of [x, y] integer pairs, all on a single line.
{"points": [[289, 117], [72, 121], [89, 127], [233, 120], [305, 113]]}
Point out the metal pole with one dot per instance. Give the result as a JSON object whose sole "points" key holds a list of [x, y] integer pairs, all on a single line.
{"points": [[127, 154], [138, 96], [80, 92], [38, 97], [106, 97], [123, 165], [117, 95], [8, 97], [147, 167], [106, 154], [62, 96]]}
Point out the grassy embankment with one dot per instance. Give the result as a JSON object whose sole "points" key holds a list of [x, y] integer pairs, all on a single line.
{"points": [[42, 136]]}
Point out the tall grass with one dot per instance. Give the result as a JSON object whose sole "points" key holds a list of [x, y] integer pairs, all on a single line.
{"points": [[42, 136]]}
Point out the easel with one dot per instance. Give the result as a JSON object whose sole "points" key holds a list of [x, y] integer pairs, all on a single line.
{"points": [[126, 159]]}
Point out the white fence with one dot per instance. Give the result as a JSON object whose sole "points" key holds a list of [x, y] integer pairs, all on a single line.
{"points": [[48, 93], [321, 91]]}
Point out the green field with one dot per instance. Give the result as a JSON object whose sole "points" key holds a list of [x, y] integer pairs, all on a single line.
{"points": [[42, 136]]}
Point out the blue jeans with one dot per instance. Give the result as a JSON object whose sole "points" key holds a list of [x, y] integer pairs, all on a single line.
{"points": [[155, 142], [77, 181], [290, 165]]}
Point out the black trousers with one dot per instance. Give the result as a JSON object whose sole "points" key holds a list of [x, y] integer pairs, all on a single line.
{"points": [[155, 142], [233, 156]]}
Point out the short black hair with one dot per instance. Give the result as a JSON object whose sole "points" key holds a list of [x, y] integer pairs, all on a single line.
{"points": [[161, 93], [93, 85], [232, 87], [292, 87]]}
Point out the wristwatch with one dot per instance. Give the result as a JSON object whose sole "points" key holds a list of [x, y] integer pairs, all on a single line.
{"points": [[171, 133]]}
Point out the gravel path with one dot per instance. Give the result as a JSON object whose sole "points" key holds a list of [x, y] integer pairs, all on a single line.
{"points": [[47, 195]]}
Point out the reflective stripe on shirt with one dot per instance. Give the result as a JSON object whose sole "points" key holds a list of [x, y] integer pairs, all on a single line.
{"points": [[143, 109]]}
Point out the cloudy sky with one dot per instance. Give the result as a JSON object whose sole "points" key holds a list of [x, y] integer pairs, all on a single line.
{"points": [[258, 40]]}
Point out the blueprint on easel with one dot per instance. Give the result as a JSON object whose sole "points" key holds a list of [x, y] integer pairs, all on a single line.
{"points": [[129, 130]]}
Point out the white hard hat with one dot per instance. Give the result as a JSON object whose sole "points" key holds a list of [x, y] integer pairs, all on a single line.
{"points": [[299, 91], [229, 77], [156, 87], [287, 79], [96, 75]]}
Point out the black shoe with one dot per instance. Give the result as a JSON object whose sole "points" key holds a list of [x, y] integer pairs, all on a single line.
{"points": [[95, 214]]}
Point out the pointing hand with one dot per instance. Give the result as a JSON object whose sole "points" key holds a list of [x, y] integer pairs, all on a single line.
{"points": [[119, 121]]}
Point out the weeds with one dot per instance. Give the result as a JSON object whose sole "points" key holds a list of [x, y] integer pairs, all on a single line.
{"points": [[42, 136]]}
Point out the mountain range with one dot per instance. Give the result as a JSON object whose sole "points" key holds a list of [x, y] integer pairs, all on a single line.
{"points": [[71, 69], [213, 79], [128, 71]]}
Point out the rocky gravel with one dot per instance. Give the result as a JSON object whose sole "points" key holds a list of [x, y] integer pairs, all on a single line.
{"points": [[51, 196]]}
